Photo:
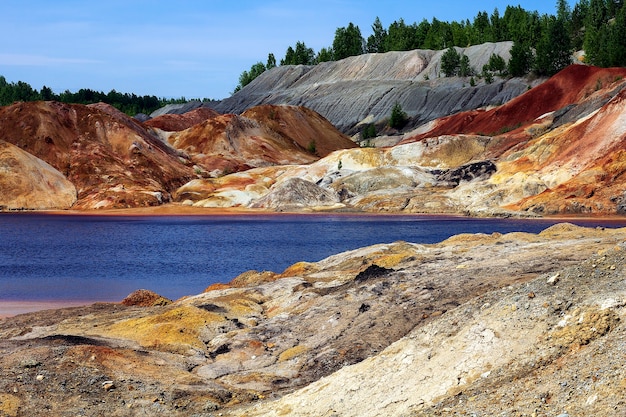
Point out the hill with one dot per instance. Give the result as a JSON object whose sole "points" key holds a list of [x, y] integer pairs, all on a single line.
{"points": [[554, 149], [95, 157], [363, 89]]}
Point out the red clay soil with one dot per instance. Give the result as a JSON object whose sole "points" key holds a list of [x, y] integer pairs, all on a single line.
{"points": [[261, 136], [96, 148], [178, 122], [571, 85], [596, 149], [302, 125]]}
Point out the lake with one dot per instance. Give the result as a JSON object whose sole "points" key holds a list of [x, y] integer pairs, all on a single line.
{"points": [[104, 258]]}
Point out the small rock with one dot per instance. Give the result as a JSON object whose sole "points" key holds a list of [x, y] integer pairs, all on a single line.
{"points": [[39, 377], [29, 363], [554, 279], [108, 385]]}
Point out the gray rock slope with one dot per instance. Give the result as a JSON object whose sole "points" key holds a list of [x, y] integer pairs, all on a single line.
{"points": [[363, 89]]}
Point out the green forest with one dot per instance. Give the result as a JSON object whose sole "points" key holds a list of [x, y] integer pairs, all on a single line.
{"points": [[131, 104], [542, 44]]}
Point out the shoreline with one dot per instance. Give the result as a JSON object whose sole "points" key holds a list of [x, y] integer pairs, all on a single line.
{"points": [[184, 211], [12, 308]]}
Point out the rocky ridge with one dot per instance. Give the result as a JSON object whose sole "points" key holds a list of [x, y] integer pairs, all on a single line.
{"points": [[515, 324], [363, 89]]}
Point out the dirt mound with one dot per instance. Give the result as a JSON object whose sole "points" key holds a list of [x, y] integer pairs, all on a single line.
{"points": [[109, 157], [303, 126], [262, 136], [178, 122], [28, 182], [363, 89], [145, 298], [569, 86]]}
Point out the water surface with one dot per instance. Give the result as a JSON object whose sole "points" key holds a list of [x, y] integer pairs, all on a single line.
{"points": [[104, 258]]}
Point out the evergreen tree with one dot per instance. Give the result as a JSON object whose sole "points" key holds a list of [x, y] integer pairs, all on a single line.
{"points": [[348, 42], [577, 25], [301, 55], [439, 36], [376, 41], [482, 28], [421, 32], [459, 34], [324, 55], [271, 61], [400, 37], [450, 62], [617, 39], [563, 11], [496, 64], [595, 19], [496, 26], [247, 77], [398, 117], [465, 70], [521, 60], [46, 93], [553, 51]]}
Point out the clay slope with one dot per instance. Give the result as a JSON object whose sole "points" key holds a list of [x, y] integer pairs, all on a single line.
{"points": [[111, 160], [178, 122], [262, 136], [573, 85], [363, 89], [114, 161], [27, 181], [487, 324], [556, 149]]}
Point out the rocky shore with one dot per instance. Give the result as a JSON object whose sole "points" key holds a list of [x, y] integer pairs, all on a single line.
{"points": [[514, 324]]}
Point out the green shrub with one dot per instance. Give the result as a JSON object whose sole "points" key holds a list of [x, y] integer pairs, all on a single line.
{"points": [[398, 117], [369, 131]]}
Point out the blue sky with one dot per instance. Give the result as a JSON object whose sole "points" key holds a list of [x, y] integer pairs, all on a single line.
{"points": [[187, 48]]}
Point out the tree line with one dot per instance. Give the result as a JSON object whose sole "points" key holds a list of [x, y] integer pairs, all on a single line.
{"points": [[131, 104], [541, 43]]}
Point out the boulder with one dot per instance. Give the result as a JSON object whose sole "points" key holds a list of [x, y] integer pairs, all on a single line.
{"points": [[297, 193]]}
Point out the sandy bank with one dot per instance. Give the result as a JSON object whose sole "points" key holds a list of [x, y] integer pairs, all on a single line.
{"points": [[9, 308]]}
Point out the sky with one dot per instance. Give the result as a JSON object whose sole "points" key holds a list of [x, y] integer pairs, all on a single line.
{"points": [[188, 48]]}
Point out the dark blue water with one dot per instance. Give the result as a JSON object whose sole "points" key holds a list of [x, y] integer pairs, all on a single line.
{"points": [[46, 257]]}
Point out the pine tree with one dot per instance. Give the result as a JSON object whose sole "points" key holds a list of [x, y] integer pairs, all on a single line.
{"points": [[376, 41], [348, 42], [450, 62], [595, 19], [521, 60], [465, 70], [617, 40], [324, 55], [398, 117], [553, 51], [271, 61]]}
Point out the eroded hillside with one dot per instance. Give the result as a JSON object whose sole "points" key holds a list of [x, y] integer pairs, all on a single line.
{"points": [[94, 157], [555, 149], [363, 89], [486, 324]]}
